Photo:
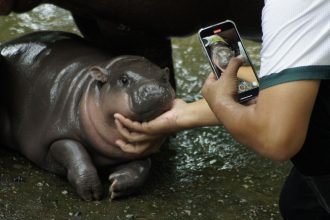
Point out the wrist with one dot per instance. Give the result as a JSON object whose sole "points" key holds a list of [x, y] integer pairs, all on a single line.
{"points": [[196, 114], [223, 107], [182, 117]]}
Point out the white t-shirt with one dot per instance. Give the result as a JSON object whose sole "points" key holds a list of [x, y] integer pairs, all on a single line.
{"points": [[296, 41]]}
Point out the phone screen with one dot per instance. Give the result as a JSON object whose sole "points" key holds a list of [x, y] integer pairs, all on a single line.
{"points": [[222, 42]]}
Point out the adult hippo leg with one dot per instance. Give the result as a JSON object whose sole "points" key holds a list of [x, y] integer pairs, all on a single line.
{"points": [[18, 6], [127, 178], [88, 27], [6, 6], [4, 119], [123, 40], [71, 158]]}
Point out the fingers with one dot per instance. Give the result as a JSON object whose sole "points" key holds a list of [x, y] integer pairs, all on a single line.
{"points": [[145, 148], [156, 127], [130, 148], [135, 137], [136, 126], [136, 143], [226, 86], [252, 101], [130, 136], [210, 79], [234, 64]]}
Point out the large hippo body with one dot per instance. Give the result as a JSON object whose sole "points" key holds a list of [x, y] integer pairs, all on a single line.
{"points": [[60, 95], [145, 27]]}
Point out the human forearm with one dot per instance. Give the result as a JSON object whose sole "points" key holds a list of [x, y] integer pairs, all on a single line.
{"points": [[244, 125], [276, 126], [196, 114]]}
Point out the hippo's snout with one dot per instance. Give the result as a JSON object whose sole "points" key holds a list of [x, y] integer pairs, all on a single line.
{"points": [[150, 100], [149, 93]]}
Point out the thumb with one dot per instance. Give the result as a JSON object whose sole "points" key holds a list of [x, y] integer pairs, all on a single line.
{"points": [[210, 79], [234, 64]]}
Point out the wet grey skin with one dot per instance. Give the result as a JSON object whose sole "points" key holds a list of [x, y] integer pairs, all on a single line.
{"points": [[60, 95]]}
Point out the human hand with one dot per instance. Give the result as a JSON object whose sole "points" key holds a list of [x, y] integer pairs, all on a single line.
{"points": [[224, 88], [138, 143], [147, 137]]}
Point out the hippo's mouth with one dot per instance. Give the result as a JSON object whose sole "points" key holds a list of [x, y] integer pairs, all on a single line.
{"points": [[150, 114], [149, 103]]}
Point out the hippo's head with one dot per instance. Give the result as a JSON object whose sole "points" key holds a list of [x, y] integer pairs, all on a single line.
{"points": [[134, 87]]}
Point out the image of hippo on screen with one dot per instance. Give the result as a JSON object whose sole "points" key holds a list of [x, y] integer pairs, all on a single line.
{"points": [[59, 97]]}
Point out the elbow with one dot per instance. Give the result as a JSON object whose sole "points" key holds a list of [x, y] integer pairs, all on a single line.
{"points": [[281, 148], [277, 155]]}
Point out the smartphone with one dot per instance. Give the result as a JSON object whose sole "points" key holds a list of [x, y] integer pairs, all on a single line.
{"points": [[221, 42]]}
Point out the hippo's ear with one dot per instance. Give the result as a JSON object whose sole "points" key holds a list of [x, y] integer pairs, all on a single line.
{"points": [[99, 73]]}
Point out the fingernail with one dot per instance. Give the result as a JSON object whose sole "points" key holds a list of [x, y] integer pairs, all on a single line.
{"points": [[242, 58], [120, 144]]}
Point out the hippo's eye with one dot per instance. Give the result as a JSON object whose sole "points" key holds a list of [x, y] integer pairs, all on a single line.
{"points": [[124, 80]]}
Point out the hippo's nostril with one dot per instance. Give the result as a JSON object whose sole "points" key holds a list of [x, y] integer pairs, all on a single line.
{"points": [[150, 92], [149, 95]]}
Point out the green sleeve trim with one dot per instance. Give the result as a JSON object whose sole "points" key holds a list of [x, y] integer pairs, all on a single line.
{"points": [[295, 74]]}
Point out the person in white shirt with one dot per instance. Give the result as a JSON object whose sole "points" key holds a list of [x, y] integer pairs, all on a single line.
{"points": [[290, 120]]}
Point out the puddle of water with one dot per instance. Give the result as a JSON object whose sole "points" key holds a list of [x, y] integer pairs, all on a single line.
{"points": [[202, 173]]}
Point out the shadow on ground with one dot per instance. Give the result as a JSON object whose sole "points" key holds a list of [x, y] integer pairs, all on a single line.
{"points": [[27, 192]]}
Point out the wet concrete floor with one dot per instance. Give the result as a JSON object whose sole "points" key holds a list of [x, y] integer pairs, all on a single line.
{"points": [[200, 174]]}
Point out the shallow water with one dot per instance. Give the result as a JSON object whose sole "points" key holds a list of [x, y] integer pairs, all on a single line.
{"points": [[201, 174]]}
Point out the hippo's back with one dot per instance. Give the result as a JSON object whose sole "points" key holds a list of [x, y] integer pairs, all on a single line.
{"points": [[44, 76], [36, 50]]}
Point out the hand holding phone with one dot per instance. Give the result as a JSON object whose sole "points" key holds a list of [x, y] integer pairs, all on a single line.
{"points": [[221, 42]]}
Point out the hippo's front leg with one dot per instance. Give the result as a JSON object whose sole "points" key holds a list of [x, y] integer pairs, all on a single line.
{"points": [[71, 158], [127, 178]]}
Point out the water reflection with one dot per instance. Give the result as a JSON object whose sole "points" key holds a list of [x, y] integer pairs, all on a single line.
{"points": [[205, 146], [45, 17]]}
